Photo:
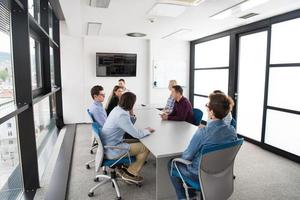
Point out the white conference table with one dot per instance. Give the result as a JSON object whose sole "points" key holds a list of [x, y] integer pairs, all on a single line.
{"points": [[168, 141]]}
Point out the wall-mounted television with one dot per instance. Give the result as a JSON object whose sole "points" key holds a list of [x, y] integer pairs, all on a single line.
{"points": [[115, 64]]}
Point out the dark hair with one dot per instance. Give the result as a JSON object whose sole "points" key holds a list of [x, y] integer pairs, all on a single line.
{"points": [[178, 89], [96, 90], [218, 91], [122, 80], [114, 90], [127, 101], [220, 104]]}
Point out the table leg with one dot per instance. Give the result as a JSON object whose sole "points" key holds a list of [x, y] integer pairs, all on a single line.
{"points": [[164, 187]]}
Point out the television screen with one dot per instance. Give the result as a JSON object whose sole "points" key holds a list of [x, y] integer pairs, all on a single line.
{"points": [[115, 64]]}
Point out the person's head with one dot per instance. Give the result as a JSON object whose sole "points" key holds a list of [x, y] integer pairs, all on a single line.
{"points": [[121, 83], [219, 105], [97, 93], [176, 92], [171, 84], [127, 101], [117, 91], [221, 92]]}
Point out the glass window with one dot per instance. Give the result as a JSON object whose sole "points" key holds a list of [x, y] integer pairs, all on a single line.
{"points": [[53, 105], [41, 120], [52, 67], [285, 42], [282, 87], [251, 84], [50, 14], [282, 131], [34, 9], [206, 81], [6, 68], [214, 53], [200, 102], [35, 60], [10, 170]]}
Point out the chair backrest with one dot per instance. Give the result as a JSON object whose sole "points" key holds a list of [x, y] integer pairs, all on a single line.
{"points": [[198, 114], [233, 123], [216, 170], [91, 115], [96, 129]]}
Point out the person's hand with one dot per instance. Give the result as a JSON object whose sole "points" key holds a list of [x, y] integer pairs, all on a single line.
{"points": [[201, 126], [164, 116], [150, 129]]}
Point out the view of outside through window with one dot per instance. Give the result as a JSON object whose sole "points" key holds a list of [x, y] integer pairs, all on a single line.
{"points": [[6, 69]]}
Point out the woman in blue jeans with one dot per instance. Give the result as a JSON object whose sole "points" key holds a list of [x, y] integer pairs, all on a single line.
{"points": [[216, 132]]}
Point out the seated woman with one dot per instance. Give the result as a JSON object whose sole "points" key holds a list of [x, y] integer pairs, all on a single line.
{"points": [[118, 122], [114, 99], [171, 101], [216, 132]]}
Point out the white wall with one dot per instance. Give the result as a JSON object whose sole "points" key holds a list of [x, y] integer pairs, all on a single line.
{"points": [[78, 66], [164, 50]]}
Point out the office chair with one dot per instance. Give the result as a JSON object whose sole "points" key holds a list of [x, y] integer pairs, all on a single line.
{"points": [[101, 161], [94, 144], [198, 114], [215, 171]]}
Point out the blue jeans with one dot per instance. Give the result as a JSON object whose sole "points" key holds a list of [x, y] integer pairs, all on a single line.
{"points": [[177, 182]]}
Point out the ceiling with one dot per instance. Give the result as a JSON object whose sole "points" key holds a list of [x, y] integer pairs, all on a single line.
{"points": [[125, 16]]}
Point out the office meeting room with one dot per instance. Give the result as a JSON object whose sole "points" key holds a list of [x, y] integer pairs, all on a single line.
{"points": [[149, 100]]}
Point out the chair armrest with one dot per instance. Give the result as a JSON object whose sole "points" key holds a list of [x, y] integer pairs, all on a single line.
{"points": [[115, 147], [183, 161]]}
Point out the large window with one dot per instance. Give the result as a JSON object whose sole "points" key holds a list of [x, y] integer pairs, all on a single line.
{"points": [[35, 60], [6, 68], [34, 9], [210, 73], [10, 171], [283, 110], [252, 66], [52, 72]]}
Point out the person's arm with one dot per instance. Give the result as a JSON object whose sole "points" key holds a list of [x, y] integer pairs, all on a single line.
{"points": [[194, 145], [127, 126], [180, 114], [100, 116]]}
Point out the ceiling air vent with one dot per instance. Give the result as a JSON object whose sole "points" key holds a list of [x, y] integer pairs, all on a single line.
{"points": [[99, 3], [249, 15]]}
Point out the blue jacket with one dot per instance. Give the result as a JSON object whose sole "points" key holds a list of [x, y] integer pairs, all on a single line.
{"points": [[216, 132]]}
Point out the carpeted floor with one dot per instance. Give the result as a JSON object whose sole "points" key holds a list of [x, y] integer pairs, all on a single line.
{"points": [[261, 175]]}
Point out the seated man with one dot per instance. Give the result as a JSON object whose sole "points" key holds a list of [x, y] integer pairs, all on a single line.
{"points": [[216, 132], [183, 110], [96, 109], [118, 122]]}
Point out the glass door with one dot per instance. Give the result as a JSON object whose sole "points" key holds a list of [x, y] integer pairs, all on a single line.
{"points": [[251, 83]]}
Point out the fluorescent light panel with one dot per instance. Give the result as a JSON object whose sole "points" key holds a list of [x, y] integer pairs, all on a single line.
{"points": [[183, 2], [166, 10], [242, 6], [176, 33], [93, 28], [100, 3]]}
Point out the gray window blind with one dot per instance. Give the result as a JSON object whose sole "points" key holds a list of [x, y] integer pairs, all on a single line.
{"points": [[4, 17]]}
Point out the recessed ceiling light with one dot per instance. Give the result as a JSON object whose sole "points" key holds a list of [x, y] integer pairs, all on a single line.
{"points": [[100, 3], [166, 10], [136, 34], [183, 2]]}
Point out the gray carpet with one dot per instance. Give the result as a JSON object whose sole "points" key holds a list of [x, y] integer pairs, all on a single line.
{"points": [[261, 175]]}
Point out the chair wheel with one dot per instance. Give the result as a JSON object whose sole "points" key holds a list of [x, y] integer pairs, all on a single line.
{"points": [[139, 185], [234, 177], [96, 179], [119, 198], [88, 166], [105, 172], [91, 194], [91, 151]]}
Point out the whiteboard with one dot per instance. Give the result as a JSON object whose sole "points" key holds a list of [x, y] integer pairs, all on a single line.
{"points": [[166, 70]]}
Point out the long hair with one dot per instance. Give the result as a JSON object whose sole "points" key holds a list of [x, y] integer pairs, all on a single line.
{"points": [[112, 95]]}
